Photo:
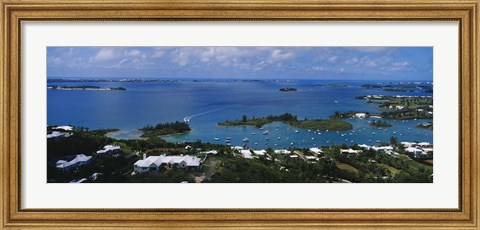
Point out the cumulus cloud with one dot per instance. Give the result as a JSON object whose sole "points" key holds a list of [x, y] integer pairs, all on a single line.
{"points": [[242, 61]]}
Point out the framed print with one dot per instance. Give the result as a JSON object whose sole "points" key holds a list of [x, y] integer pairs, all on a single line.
{"points": [[295, 114]]}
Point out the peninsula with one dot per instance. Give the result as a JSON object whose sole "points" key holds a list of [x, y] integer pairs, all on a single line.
{"points": [[334, 123]]}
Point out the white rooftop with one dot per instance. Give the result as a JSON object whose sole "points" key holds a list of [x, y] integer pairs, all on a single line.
{"points": [[61, 164], [260, 152], [108, 148], [282, 151], [246, 153], [65, 127], [316, 150], [159, 160], [55, 134]]}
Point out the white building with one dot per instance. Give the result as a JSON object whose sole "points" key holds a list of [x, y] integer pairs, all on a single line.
{"points": [[317, 151], [210, 152], [350, 151], [153, 163], [109, 149], [382, 148], [417, 152], [360, 115], [364, 146], [55, 134], [64, 128], [246, 153], [260, 152], [282, 151], [78, 161], [311, 158], [408, 144]]}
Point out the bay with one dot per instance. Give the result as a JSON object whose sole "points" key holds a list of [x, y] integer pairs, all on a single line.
{"points": [[205, 102]]}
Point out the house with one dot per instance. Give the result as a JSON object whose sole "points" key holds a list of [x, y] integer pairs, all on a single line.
{"points": [[210, 152], [78, 161], [260, 152], [246, 153], [64, 128], [55, 134], [424, 144], [282, 151], [408, 144], [360, 115], [237, 147], [311, 158], [364, 146], [417, 152], [383, 148], [109, 149], [153, 163], [316, 151], [350, 151]]}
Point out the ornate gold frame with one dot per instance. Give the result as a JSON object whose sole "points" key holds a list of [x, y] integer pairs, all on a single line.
{"points": [[16, 11]]}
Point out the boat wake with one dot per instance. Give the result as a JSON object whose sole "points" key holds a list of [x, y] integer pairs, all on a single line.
{"points": [[188, 118]]}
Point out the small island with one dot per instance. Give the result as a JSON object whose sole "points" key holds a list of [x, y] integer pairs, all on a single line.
{"points": [[163, 129], [55, 87], [425, 125], [288, 89], [336, 124], [379, 124]]}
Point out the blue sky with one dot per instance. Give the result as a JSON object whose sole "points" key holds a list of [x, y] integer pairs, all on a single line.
{"points": [[376, 63]]}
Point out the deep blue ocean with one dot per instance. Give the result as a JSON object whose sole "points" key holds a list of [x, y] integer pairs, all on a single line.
{"points": [[205, 103]]}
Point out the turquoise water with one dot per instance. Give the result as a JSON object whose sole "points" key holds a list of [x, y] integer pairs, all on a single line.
{"points": [[205, 103]]}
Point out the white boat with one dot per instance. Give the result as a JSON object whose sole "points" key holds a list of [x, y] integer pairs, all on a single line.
{"points": [[216, 138], [296, 131], [245, 139], [265, 133], [228, 138], [253, 133]]}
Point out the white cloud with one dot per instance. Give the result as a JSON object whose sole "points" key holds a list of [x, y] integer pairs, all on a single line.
{"points": [[332, 59], [352, 61], [400, 64], [105, 54], [279, 55], [134, 53]]}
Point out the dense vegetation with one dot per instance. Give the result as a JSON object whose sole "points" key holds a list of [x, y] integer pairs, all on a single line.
{"points": [[168, 128], [229, 166], [379, 124], [320, 124], [402, 108]]}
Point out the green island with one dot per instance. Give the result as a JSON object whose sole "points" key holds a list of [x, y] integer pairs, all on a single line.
{"points": [[402, 86], [426, 125], [379, 124], [163, 129], [402, 107], [227, 165], [332, 123]]}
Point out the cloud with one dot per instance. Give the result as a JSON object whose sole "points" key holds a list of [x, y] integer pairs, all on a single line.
{"points": [[280, 55], [104, 54], [135, 53], [332, 59], [240, 61], [403, 66]]}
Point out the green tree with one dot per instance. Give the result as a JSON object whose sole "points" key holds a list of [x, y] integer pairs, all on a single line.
{"points": [[244, 118]]}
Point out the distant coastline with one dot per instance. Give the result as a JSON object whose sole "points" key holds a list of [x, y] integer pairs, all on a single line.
{"points": [[86, 88]]}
